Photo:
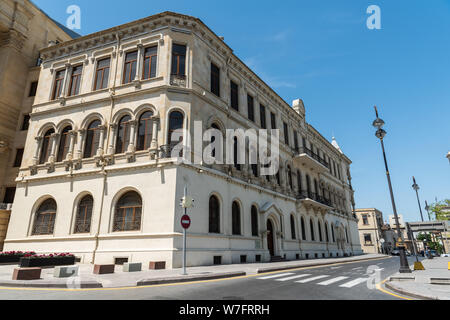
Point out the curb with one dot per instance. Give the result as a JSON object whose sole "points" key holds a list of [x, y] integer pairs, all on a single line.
{"points": [[180, 279], [25, 284], [312, 264], [392, 287]]}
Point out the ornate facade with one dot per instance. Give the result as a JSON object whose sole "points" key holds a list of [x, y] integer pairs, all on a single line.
{"points": [[98, 179]]}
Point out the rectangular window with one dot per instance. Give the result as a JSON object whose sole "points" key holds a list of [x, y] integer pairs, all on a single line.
{"points": [[102, 74], [368, 238], [25, 122], [150, 60], [57, 86], [33, 89], [178, 60], [273, 120], [9, 195], [365, 220], [18, 159], [75, 80], [215, 79], [234, 92], [129, 72], [251, 108], [262, 113], [296, 141], [286, 133]]}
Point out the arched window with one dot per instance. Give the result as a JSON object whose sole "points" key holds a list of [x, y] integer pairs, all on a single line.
{"points": [[254, 213], [289, 173], [92, 139], [64, 144], [145, 131], [214, 215], [303, 229], [84, 214], [46, 146], [320, 231], [311, 225], [123, 135], [316, 187], [236, 218], [128, 212], [175, 123], [293, 236], [213, 139], [327, 237], [44, 221], [346, 235], [332, 233]]}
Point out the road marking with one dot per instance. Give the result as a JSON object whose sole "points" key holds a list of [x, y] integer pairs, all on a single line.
{"points": [[276, 276], [353, 283], [294, 277], [311, 279], [182, 283], [357, 268], [335, 268], [327, 282]]}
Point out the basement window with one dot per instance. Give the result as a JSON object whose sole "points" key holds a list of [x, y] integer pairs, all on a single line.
{"points": [[120, 261]]}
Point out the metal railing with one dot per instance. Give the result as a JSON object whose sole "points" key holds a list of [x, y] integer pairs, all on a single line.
{"points": [[315, 156]]}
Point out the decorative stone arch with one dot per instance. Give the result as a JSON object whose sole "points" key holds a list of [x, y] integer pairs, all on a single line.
{"points": [[116, 198], [63, 124], [144, 108], [270, 211], [122, 113], [92, 117], [43, 129], [215, 120], [37, 203]]}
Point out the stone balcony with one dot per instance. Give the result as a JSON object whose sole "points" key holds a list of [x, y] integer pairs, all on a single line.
{"points": [[311, 160], [314, 200]]}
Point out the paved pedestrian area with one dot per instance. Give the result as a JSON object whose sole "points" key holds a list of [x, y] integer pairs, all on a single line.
{"points": [[127, 279], [431, 283]]}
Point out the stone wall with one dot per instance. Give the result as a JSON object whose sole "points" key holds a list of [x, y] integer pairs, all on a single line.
{"points": [[4, 220]]}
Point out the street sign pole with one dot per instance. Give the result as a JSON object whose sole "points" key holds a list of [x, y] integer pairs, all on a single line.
{"points": [[184, 237]]}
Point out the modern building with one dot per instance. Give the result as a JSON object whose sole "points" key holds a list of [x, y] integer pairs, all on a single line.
{"points": [[24, 30], [99, 178]]}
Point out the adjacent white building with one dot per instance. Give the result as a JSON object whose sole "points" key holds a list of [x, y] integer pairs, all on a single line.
{"points": [[98, 179]]}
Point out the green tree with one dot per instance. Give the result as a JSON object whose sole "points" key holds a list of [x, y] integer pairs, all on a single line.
{"points": [[438, 210]]}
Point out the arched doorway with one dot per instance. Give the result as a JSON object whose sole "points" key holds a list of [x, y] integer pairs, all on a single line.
{"points": [[270, 238]]}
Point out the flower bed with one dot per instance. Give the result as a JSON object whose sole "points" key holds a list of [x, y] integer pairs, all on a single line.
{"points": [[50, 260], [14, 256]]}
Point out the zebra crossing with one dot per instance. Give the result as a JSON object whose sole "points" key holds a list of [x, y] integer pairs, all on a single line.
{"points": [[321, 280]]}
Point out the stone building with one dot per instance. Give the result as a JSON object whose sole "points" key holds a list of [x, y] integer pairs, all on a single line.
{"points": [[99, 179], [24, 30], [370, 227]]}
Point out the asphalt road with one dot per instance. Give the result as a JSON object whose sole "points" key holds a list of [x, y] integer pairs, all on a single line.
{"points": [[346, 281]]}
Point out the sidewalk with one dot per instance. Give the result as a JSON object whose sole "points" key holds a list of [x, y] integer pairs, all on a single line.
{"points": [[432, 283], [119, 279]]}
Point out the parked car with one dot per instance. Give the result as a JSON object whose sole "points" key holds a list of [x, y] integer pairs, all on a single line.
{"points": [[445, 255], [434, 253], [395, 252]]}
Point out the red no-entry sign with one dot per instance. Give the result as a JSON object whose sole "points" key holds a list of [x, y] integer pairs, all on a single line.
{"points": [[185, 222]]}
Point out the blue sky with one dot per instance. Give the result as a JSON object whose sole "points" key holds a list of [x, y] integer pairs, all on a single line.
{"points": [[323, 53]]}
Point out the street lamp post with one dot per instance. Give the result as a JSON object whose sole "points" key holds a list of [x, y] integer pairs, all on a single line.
{"points": [[448, 156], [415, 186], [380, 134]]}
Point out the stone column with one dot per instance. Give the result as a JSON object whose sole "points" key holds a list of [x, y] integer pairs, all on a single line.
{"points": [[112, 138], [54, 138], [140, 55], [131, 145], [154, 144], [37, 150], [66, 79], [80, 141], [72, 135], [101, 142]]}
